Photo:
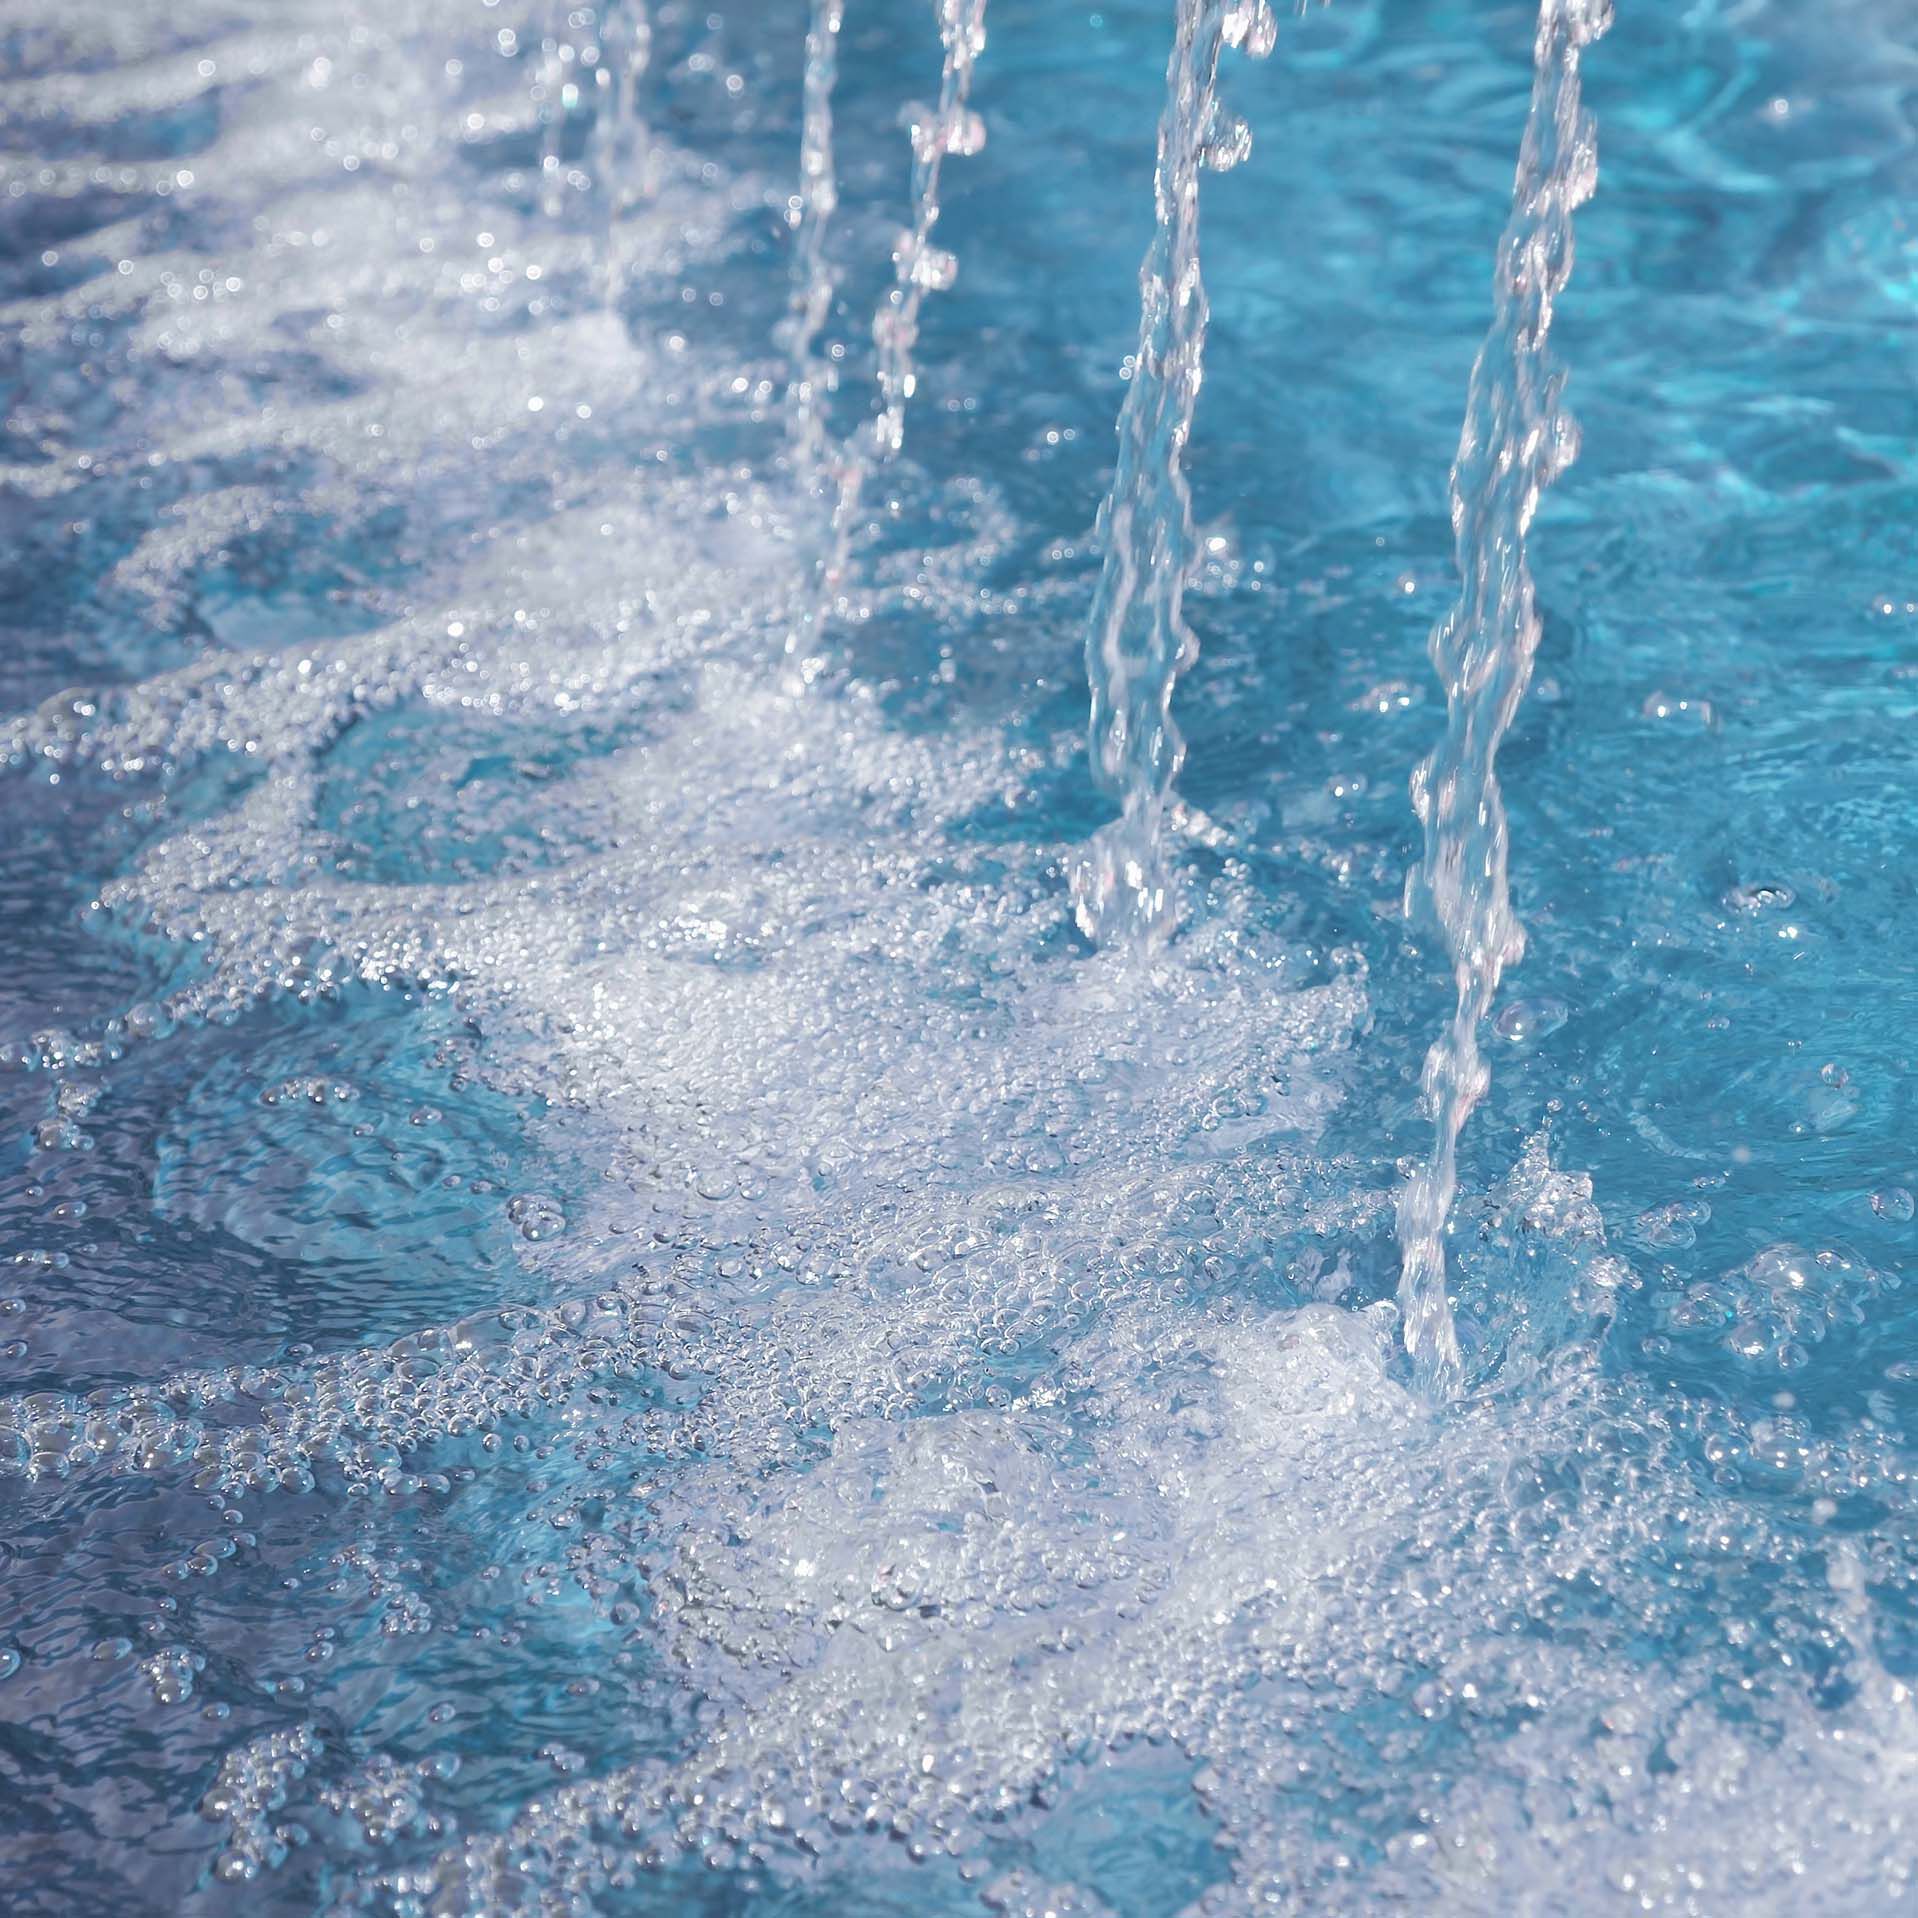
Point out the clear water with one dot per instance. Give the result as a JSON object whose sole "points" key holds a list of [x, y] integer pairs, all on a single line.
{"points": [[609, 1308]]}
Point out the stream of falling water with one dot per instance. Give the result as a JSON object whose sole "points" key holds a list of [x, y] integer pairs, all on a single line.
{"points": [[810, 215], [1139, 642], [919, 267], [1516, 439], [556, 94], [620, 156], [592, 60]]}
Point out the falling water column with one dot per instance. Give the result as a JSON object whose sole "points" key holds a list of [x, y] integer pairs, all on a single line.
{"points": [[556, 96], [810, 213], [919, 267], [619, 149], [1517, 438], [1139, 642]]}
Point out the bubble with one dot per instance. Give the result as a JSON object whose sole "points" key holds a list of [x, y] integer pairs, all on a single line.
{"points": [[537, 1215], [1759, 898], [1673, 1227], [1675, 710], [147, 1022]]}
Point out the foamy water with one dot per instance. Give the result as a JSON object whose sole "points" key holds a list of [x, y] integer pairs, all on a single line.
{"points": [[611, 1310]]}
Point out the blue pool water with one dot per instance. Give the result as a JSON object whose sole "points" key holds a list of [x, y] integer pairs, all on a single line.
{"points": [[607, 1307]]}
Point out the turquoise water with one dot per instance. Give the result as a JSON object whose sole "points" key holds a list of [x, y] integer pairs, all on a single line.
{"points": [[610, 1309]]}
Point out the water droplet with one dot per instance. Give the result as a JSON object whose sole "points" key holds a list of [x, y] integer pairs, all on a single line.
{"points": [[1894, 1203], [934, 268], [1529, 1021], [1251, 24], [1228, 143]]}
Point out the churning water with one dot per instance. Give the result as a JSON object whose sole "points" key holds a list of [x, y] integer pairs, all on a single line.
{"points": [[665, 1254]]}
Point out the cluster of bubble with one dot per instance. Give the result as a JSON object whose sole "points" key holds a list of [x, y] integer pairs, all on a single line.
{"points": [[1212, 1529], [889, 1281], [853, 1196], [1772, 1310], [252, 1787], [966, 1473], [1232, 1532]]}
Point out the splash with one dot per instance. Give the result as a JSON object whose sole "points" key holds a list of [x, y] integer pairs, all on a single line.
{"points": [[596, 1315], [1517, 438], [1139, 641]]}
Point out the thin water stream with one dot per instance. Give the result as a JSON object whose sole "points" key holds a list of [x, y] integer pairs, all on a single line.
{"points": [[620, 153], [810, 215], [1517, 438], [1139, 641], [936, 132]]}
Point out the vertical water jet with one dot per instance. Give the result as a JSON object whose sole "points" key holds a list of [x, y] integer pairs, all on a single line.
{"points": [[619, 148], [919, 267], [810, 212], [948, 127], [1138, 641], [1516, 439], [557, 92]]}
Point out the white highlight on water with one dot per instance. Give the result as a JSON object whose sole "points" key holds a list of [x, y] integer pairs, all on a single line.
{"points": [[1139, 641], [1517, 438]]}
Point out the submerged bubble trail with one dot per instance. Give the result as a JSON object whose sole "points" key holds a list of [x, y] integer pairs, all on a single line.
{"points": [[1517, 438], [810, 214], [1139, 642]]}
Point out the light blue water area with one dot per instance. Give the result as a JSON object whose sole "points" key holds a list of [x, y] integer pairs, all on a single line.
{"points": [[608, 1309]]}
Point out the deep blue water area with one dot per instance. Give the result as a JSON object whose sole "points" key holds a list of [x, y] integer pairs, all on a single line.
{"points": [[607, 1309]]}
